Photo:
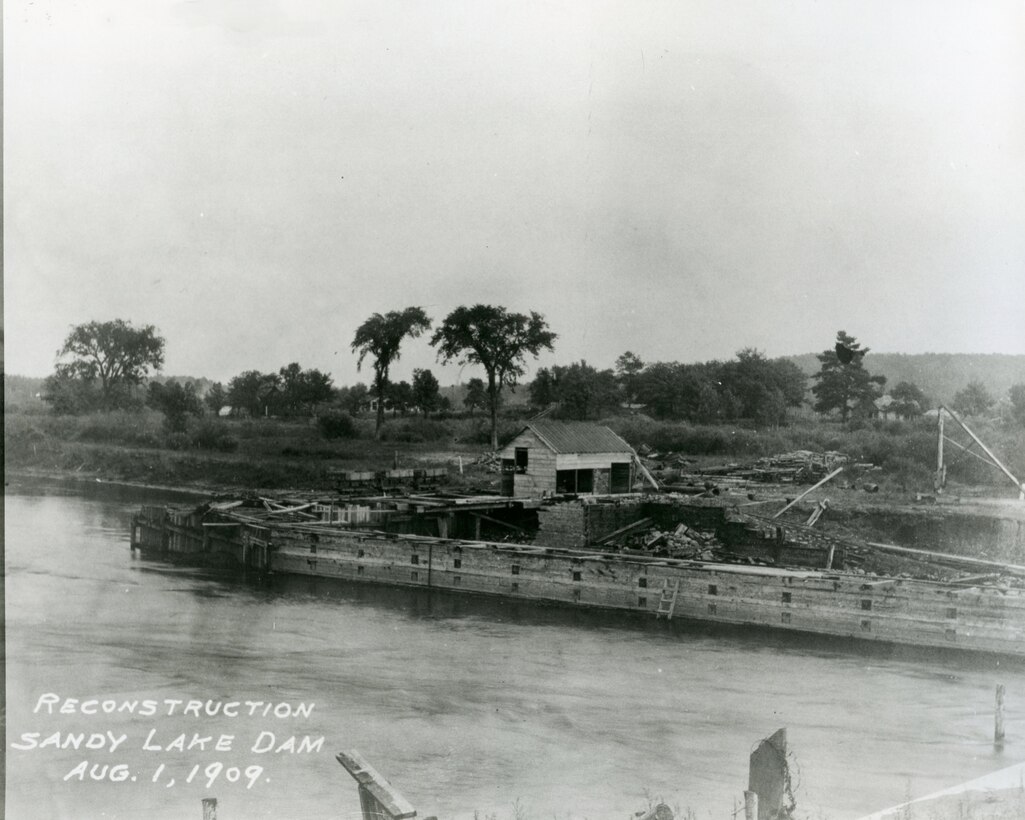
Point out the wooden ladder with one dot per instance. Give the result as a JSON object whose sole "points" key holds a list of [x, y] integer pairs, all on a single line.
{"points": [[667, 602]]}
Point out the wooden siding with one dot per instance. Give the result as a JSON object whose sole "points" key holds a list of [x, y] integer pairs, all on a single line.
{"points": [[542, 464], [868, 608]]}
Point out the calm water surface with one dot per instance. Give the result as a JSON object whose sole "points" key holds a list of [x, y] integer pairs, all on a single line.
{"points": [[464, 704]]}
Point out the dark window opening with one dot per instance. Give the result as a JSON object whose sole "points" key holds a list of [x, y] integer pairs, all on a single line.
{"points": [[867, 605], [574, 481], [642, 582], [713, 589], [360, 553], [515, 569], [787, 597], [414, 559], [642, 601], [619, 478], [457, 563], [521, 459], [359, 570], [576, 576], [785, 617]]}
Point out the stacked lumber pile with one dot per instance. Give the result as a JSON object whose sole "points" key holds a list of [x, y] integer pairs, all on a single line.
{"points": [[799, 466], [490, 462]]}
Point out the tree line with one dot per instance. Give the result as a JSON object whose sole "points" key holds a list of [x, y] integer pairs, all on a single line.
{"points": [[103, 366]]}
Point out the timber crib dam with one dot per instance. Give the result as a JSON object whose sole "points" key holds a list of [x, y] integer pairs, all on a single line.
{"points": [[972, 614]]}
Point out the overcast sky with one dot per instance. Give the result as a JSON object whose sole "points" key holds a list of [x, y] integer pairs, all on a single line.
{"points": [[681, 179]]}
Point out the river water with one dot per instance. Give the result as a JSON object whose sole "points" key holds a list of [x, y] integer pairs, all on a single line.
{"points": [[468, 706]]}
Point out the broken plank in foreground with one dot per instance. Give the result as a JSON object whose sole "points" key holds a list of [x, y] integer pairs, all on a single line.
{"points": [[999, 795], [378, 799]]}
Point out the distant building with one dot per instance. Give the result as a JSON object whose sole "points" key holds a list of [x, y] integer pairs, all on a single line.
{"points": [[554, 457]]}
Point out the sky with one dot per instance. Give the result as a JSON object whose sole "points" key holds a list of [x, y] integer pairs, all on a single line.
{"points": [[680, 179]]}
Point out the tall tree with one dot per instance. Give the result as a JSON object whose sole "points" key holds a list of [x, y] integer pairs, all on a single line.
{"points": [[114, 355], [353, 399], [908, 400], [476, 395], [1017, 397], [302, 390], [582, 391], [253, 391], [426, 392], [495, 339], [765, 387], [176, 401], [399, 396], [843, 383], [973, 400], [628, 370], [670, 390], [216, 397], [380, 337]]}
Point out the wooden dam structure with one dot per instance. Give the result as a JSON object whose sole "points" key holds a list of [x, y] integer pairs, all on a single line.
{"points": [[437, 544]]}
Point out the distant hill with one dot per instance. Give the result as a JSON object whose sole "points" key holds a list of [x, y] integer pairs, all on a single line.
{"points": [[939, 375]]}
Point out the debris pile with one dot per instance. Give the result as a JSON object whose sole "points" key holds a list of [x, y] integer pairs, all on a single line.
{"points": [[682, 542], [677, 473], [489, 461], [799, 466]]}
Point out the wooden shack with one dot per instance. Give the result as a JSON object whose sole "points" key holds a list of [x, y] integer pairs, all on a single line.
{"points": [[555, 457]]}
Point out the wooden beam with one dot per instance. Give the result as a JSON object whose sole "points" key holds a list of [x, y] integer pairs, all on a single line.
{"points": [[812, 488], [386, 803], [644, 522], [496, 521], [948, 558], [996, 461]]}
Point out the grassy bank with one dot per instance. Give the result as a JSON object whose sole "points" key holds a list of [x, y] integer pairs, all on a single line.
{"points": [[299, 454], [219, 453]]}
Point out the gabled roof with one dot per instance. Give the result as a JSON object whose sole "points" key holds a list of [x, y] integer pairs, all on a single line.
{"points": [[578, 437]]}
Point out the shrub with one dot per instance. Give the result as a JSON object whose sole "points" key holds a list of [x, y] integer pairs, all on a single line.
{"points": [[480, 432], [337, 424], [120, 427], [415, 431], [177, 441], [208, 434]]}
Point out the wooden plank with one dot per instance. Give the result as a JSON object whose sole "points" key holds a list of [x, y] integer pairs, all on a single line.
{"points": [[644, 522], [949, 558], [370, 779], [815, 486], [496, 521]]}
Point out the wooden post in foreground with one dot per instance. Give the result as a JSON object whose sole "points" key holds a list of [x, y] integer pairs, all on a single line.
{"points": [[209, 808], [750, 806], [378, 799], [768, 775], [660, 812], [998, 726]]}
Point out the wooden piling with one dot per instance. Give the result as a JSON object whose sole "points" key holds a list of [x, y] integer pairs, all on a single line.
{"points": [[768, 775], [750, 805], [998, 724], [209, 808], [377, 797]]}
